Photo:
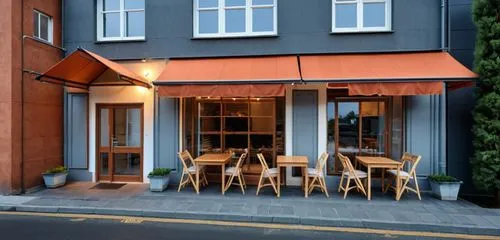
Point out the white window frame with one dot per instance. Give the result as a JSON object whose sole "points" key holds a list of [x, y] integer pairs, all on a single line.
{"points": [[222, 20], [359, 12], [50, 33], [122, 11]]}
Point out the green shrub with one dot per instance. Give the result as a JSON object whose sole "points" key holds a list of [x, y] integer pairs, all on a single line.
{"points": [[442, 178], [160, 172], [58, 169]]}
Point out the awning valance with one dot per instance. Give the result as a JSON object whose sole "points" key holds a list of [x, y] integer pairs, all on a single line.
{"points": [[217, 90], [82, 69]]}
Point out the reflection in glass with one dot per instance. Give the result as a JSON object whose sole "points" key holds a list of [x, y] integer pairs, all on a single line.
{"points": [[208, 3], [263, 19], [111, 5], [111, 24], [127, 164], [263, 2], [104, 127], [127, 127], [135, 24], [134, 4], [235, 3], [345, 15], [373, 128], [397, 128], [104, 159], [209, 21], [44, 27], [373, 14], [331, 136], [235, 20]]}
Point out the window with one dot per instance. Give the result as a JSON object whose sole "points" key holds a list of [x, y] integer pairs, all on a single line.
{"points": [[234, 18], [361, 15], [42, 26], [120, 20]]}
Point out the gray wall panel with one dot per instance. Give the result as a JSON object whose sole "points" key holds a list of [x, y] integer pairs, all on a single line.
{"points": [[303, 27], [305, 124], [167, 134], [76, 131]]}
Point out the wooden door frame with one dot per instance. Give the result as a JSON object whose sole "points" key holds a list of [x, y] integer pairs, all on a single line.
{"points": [[112, 177]]}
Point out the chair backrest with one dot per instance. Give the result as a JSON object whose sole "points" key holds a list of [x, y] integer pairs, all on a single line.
{"points": [[186, 159], [321, 164], [242, 158], [262, 161], [410, 161], [346, 163]]}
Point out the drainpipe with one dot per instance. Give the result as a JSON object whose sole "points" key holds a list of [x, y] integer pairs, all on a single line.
{"points": [[445, 36], [22, 98]]}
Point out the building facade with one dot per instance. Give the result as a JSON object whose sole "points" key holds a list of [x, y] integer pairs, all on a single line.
{"points": [[272, 76], [32, 112]]}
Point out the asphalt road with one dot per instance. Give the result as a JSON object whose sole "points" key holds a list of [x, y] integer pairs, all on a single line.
{"points": [[18, 227]]}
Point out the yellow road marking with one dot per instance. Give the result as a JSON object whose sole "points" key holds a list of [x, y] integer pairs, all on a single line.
{"points": [[257, 225]]}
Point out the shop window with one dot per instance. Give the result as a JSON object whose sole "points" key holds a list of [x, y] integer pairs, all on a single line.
{"points": [[120, 20], [361, 15], [363, 127], [234, 18], [42, 26]]}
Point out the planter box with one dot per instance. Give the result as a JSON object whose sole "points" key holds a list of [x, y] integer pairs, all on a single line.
{"points": [[446, 190], [158, 184], [54, 180]]}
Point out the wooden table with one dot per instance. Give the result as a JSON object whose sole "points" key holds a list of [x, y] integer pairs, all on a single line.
{"points": [[213, 159], [293, 161], [379, 162]]}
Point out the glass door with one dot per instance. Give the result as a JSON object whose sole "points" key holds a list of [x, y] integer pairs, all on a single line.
{"points": [[120, 142]]}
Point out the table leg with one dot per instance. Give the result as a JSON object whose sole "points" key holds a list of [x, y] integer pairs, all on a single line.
{"points": [[197, 188], [369, 183], [383, 179], [306, 187], [279, 181], [223, 171]]}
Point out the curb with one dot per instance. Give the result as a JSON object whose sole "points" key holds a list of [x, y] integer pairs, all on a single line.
{"points": [[324, 222]]}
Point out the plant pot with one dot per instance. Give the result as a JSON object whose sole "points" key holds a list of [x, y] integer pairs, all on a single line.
{"points": [[446, 190], [54, 180], [158, 184]]}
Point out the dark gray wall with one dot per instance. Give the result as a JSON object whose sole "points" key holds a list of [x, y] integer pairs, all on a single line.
{"points": [[303, 27], [461, 102], [305, 124]]}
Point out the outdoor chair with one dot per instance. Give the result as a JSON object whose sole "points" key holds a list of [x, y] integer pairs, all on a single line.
{"points": [[349, 173], [318, 176], [189, 172], [236, 171], [267, 174], [409, 161]]}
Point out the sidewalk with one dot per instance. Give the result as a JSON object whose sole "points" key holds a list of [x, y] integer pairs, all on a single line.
{"points": [[383, 212]]}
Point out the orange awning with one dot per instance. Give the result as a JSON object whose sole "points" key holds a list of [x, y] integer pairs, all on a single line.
{"points": [[228, 77], [82, 69], [390, 74]]}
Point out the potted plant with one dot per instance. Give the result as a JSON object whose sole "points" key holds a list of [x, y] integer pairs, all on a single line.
{"points": [[55, 177], [445, 187], [159, 179]]}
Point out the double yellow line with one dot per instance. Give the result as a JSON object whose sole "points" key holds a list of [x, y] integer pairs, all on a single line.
{"points": [[138, 220]]}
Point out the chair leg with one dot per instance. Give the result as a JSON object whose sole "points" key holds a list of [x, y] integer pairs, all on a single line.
{"points": [[341, 180], [180, 182], [416, 186], [310, 188], [241, 184], [347, 187], [229, 182], [402, 189], [273, 184], [260, 183], [323, 183], [243, 178]]}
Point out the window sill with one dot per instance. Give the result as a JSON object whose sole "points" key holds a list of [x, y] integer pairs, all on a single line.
{"points": [[104, 41], [234, 37], [362, 32]]}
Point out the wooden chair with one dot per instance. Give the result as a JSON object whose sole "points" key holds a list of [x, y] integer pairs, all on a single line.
{"points": [[349, 173], [189, 172], [236, 171], [318, 175], [409, 161], [269, 174]]}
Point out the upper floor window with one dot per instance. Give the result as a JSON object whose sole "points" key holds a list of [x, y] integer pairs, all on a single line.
{"points": [[234, 18], [120, 20], [361, 15], [42, 26]]}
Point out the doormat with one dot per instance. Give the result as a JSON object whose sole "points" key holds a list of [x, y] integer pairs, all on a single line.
{"points": [[108, 186]]}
